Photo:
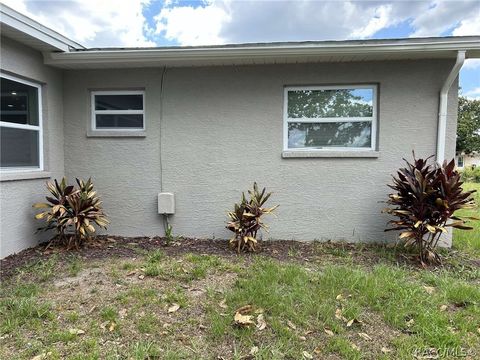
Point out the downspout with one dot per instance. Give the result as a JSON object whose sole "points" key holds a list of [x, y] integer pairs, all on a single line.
{"points": [[442, 113]]}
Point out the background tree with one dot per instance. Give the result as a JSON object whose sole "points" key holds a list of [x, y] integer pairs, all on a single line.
{"points": [[468, 129]]}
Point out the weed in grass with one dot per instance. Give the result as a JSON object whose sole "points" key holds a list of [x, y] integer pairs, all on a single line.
{"points": [[74, 265], [137, 294], [153, 269], [64, 336], [156, 256], [27, 289], [109, 313], [43, 270], [343, 347], [176, 296], [202, 264], [73, 317], [128, 266], [147, 324], [23, 311], [144, 350]]}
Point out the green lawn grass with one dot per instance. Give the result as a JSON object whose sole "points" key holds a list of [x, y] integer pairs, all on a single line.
{"points": [[469, 240], [351, 303]]}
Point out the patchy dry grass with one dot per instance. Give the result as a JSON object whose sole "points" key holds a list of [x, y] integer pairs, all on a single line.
{"points": [[333, 305]]}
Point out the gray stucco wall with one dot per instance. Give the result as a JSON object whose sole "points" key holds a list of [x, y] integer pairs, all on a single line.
{"points": [[17, 225], [221, 130]]}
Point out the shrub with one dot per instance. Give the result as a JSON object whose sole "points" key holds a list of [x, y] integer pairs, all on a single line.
{"points": [[471, 174], [424, 201], [246, 219], [72, 212]]}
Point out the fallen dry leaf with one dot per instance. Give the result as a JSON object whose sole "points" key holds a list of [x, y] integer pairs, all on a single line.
{"points": [[303, 338], [385, 350], [42, 356], [307, 355], [308, 332], [317, 350], [261, 324], [243, 320], [410, 322], [365, 336], [141, 277], [328, 331], [112, 327], [355, 347], [353, 321], [339, 315], [173, 308], [291, 325], [429, 289], [443, 308], [254, 350], [339, 297], [223, 304], [244, 309], [133, 272], [76, 331]]}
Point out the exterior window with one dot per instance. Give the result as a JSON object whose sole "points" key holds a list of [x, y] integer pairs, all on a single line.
{"points": [[330, 118], [20, 125], [460, 162], [118, 110]]}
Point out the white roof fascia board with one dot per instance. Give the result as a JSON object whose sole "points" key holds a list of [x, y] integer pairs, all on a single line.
{"points": [[265, 51], [36, 30]]}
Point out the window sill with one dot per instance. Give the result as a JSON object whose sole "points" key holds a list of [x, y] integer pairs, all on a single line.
{"points": [[329, 154], [114, 133], [28, 175]]}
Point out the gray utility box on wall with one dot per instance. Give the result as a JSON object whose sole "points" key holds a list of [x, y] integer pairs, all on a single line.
{"points": [[166, 203]]}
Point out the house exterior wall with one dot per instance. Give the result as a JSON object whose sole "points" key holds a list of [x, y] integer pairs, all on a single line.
{"points": [[469, 161], [17, 223], [215, 130]]}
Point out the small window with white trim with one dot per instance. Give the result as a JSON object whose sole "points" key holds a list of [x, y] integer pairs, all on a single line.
{"points": [[342, 118], [118, 110], [21, 146]]}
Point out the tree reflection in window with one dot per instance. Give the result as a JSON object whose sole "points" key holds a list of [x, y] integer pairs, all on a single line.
{"points": [[330, 103], [337, 134]]}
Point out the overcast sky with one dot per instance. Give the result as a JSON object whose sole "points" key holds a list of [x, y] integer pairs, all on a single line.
{"points": [[103, 23]]}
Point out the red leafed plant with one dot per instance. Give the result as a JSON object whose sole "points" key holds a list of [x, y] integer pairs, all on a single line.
{"points": [[246, 219], [72, 212], [425, 199]]}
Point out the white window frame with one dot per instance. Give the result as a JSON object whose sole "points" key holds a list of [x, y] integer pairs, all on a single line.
{"points": [[38, 127], [117, 112], [373, 119]]}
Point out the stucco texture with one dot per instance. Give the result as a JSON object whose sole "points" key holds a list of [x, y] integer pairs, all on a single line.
{"points": [[17, 225], [218, 129]]}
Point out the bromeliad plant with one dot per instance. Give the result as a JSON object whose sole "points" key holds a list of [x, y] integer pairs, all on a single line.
{"points": [[246, 219], [424, 201], [72, 212]]}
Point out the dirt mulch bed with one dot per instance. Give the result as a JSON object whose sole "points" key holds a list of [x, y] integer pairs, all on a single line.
{"points": [[116, 246]]}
